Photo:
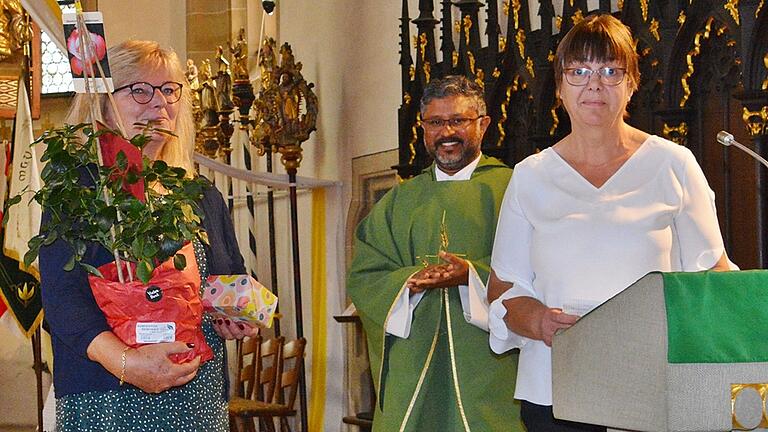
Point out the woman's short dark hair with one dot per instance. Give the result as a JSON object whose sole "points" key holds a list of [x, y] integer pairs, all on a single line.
{"points": [[598, 38], [454, 85]]}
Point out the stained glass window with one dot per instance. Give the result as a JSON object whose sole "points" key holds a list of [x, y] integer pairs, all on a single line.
{"points": [[55, 67]]}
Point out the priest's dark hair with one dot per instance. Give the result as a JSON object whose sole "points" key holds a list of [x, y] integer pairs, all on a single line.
{"points": [[454, 85]]}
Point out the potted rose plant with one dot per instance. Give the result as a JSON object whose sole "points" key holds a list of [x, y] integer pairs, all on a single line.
{"points": [[145, 212]]}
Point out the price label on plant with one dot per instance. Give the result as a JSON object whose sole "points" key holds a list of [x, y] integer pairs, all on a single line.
{"points": [[155, 332]]}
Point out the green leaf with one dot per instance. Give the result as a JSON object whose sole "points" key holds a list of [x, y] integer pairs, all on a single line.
{"points": [[91, 269], [179, 261], [70, 264], [144, 271]]}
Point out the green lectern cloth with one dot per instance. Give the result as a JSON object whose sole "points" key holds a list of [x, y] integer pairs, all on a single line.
{"points": [[717, 317]]}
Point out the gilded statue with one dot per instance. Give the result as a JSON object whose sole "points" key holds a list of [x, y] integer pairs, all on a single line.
{"points": [[207, 92], [14, 28], [192, 75], [223, 82], [239, 53]]}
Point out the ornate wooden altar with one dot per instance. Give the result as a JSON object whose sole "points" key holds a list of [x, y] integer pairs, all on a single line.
{"points": [[704, 66]]}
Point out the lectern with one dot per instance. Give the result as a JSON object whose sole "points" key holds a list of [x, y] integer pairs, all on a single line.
{"points": [[672, 352]]}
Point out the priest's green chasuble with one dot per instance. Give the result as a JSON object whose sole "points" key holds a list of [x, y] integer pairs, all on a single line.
{"points": [[443, 377]]}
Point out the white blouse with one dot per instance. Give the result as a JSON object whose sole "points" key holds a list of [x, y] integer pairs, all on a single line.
{"points": [[573, 246]]}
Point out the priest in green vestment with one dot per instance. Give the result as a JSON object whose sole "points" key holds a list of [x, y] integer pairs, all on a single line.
{"points": [[421, 257]]}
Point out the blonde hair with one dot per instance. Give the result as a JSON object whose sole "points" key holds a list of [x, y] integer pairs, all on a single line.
{"points": [[129, 61]]}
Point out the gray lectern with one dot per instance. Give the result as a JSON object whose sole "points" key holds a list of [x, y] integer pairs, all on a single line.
{"points": [[616, 366]]}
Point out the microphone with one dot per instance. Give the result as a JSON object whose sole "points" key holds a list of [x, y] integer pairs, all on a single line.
{"points": [[727, 140]]}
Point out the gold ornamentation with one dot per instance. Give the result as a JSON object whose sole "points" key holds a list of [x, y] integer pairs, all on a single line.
{"points": [[645, 52], [427, 71], [559, 23], [620, 5], [502, 43], [415, 42], [496, 72], [756, 121], [550, 56], [654, 29], [412, 72], [414, 139], [480, 78], [467, 25], [765, 63], [520, 40], [681, 18], [15, 29], [697, 40], [505, 7], [732, 6], [555, 119], [516, 5], [451, 350], [570, 2], [677, 134], [455, 58], [239, 51], [423, 46], [503, 118], [457, 26], [25, 293], [471, 58], [407, 98], [644, 9], [759, 7], [529, 67], [762, 391], [577, 17]]}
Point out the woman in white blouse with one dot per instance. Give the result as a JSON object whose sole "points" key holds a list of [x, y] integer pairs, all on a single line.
{"points": [[589, 216]]}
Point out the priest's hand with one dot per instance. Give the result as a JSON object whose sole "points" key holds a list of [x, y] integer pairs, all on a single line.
{"points": [[454, 272]]}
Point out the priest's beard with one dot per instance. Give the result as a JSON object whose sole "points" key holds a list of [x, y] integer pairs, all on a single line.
{"points": [[456, 159]]}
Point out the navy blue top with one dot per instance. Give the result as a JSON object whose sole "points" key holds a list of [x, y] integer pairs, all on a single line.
{"points": [[74, 317]]}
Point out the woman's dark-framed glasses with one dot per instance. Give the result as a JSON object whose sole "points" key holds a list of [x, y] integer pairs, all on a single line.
{"points": [[459, 123], [143, 92], [610, 76]]}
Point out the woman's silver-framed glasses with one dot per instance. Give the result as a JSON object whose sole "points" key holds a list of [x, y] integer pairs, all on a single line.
{"points": [[611, 76], [144, 92]]}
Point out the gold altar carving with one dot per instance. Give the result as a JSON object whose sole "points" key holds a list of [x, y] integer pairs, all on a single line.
{"points": [[732, 6], [503, 118], [756, 121], [467, 21], [697, 40], [677, 134], [644, 9], [239, 51], [555, 118], [15, 29], [681, 18], [654, 29], [520, 41], [529, 67], [765, 81]]}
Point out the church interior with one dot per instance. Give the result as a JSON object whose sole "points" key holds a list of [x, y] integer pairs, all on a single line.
{"points": [[347, 77]]}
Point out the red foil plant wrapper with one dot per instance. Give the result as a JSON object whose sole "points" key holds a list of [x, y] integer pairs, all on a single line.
{"points": [[167, 309]]}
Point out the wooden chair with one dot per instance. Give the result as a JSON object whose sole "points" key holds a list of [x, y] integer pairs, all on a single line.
{"points": [[284, 397], [259, 364]]}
